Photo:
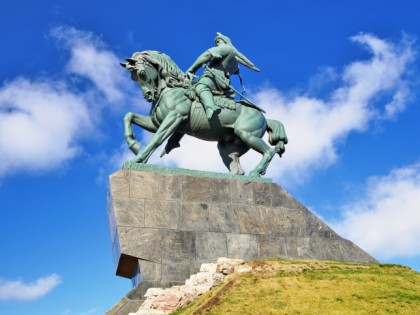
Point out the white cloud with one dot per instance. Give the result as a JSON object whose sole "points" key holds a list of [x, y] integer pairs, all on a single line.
{"points": [[43, 120], [193, 154], [20, 291], [386, 220], [89, 58], [315, 126], [40, 123]]}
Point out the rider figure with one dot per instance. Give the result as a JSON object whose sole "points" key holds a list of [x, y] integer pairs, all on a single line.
{"points": [[223, 62]]}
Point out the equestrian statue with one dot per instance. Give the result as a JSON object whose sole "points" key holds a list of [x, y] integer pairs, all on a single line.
{"points": [[205, 108]]}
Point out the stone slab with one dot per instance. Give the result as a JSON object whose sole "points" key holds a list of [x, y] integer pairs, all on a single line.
{"points": [[161, 213]]}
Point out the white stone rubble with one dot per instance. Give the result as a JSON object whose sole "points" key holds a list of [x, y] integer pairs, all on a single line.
{"points": [[163, 301]]}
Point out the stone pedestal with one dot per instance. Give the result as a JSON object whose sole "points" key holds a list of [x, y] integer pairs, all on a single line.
{"points": [[164, 226]]}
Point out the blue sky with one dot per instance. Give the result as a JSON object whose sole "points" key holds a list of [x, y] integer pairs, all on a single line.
{"points": [[342, 76]]}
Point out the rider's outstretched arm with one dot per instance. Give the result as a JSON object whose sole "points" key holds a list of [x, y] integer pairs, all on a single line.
{"points": [[201, 60]]}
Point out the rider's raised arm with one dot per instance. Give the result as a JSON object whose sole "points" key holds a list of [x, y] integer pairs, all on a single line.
{"points": [[211, 54], [201, 60]]}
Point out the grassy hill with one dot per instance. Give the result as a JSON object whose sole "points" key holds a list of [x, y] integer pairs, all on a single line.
{"points": [[313, 287]]}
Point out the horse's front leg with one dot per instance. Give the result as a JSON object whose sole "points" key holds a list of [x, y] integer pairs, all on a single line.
{"points": [[168, 126], [143, 121]]}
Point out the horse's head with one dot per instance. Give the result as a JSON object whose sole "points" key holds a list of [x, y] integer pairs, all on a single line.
{"points": [[145, 75], [155, 71]]}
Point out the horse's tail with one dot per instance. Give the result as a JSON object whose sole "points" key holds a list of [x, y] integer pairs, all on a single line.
{"points": [[277, 135]]}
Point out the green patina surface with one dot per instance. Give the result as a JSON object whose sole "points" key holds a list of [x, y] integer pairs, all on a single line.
{"points": [[182, 171], [236, 128]]}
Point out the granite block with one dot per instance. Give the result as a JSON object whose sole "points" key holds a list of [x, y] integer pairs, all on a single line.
{"points": [[332, 249], [206, 190], [252, 220], [285, 222], [194, 216], [129, 211], [281, 198], [178, 245], [210, 246], [150, 271], [271, 246], [161, 214], [120, 184], [243, 246], [170, 187], [142, 243], [175, 270], [316, 228], [220, 191], [223, 218], [261, 194], [196, 189], [315, 248], [303, 248], [242, 193], [144, 185]]}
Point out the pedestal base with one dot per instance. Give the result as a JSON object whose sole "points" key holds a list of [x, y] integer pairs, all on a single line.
{"points": [[165, 225]]}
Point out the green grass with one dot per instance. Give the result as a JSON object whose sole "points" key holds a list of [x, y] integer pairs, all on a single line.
{"points": [[314, 287]]}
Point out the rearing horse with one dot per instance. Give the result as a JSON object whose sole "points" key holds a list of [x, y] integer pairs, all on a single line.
{"points": [[177, 111]]}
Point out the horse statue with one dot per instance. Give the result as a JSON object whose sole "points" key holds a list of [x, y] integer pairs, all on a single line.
{"points": [[176, 111]]}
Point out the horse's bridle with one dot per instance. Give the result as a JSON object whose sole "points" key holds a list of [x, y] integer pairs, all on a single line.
{"points": [[148, 64]]}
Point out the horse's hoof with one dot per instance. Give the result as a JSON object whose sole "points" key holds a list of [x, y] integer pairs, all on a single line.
{"points": [[135, 147], [238, 172], [254, 174], [137, 160]]}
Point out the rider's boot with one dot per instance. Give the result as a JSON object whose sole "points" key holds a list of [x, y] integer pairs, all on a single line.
{"points": [[206, 97]]}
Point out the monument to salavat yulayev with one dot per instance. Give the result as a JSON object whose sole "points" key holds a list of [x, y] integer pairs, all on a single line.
{"points": [[165, 222]]}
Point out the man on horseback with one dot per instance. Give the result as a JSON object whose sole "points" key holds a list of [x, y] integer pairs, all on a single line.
{"points": [[223, 62], [165, 86]]}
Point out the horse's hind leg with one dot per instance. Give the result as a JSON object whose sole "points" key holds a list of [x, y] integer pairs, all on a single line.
{"points": [[259, 145], [231, 151]]}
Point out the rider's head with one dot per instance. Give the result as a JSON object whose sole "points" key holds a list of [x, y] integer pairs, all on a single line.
{"points": [[222, 38]]}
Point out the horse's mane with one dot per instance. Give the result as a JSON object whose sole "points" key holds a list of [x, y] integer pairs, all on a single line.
{"points": [[167, 68]]}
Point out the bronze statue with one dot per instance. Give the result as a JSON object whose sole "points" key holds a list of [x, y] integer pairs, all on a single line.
{"points": [[223, 62], [176, 110]]}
